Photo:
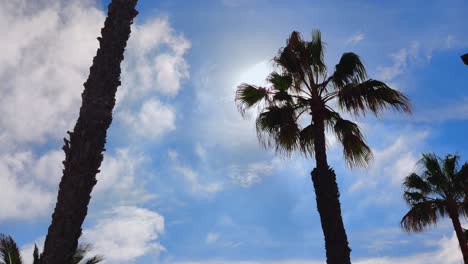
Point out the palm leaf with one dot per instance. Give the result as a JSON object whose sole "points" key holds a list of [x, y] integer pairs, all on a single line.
{"points": [[9, 251], [350, 69], [306, 140], [280, 82], [355, 149], [433, 173], [277, 126], [450, 164], [315, 50], [94, 260], [416, 182], [292, 58], [371, 95], [81, 251], [420, 216], [247, 96]]}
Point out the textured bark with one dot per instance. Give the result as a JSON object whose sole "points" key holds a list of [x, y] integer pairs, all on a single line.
{"points": [[83, 152], [328, 203], [453, 213]]}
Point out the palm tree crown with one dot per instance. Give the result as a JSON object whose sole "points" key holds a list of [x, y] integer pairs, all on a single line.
{"points": [[432, 193], [11, 254], [302, 85], [9, 251]]}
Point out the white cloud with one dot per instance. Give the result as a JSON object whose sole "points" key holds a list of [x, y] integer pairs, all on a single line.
{"points": [[200, 151], [28, 249], [153, 120], [120, 178], [399, 159], [192, 178], [401, 60], [353, 40], [155, 60], [125, 234], [29, 183], [42, 69], [447, 252], [212, 238], [23, 196], [48, 167], [253, 173]]}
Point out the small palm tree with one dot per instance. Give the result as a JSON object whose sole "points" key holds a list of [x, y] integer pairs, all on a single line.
{"points": [[10, 253], [437, 192], [303, 88]]}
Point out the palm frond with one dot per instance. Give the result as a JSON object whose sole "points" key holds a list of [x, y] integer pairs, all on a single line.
{"points": [[371, 95], [248, 96], [277, 126], [94, 260], [462, 174], [81, 251], [315, 50], [420, 216], [306, 140], [280, 82], [413, 197], [9, 251], [350, 69], [433, 173], [292, 58], [355, 150], [450, 164], [417, 183], [282, 97]]}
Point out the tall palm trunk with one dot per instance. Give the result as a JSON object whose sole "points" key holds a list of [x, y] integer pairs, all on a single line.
{"points": [[83, 152], [328, 203], [453, 213]]}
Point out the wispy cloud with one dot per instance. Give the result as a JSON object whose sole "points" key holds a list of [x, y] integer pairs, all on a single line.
{"points": [[353, 40]]}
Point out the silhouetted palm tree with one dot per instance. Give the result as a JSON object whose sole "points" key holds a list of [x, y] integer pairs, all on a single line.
{"points": [[303, 88], [437, 192], [10, 253], [83, 152]]}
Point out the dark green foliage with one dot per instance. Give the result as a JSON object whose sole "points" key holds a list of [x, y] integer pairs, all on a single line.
{"points": [[9, 251]]}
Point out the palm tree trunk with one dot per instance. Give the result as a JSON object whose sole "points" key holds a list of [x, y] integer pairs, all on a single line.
{"points": [[328, 203], [83, 152], [453, 213]]}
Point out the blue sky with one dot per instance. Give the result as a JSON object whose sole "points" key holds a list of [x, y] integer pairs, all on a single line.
{"points": [[184, 179]]}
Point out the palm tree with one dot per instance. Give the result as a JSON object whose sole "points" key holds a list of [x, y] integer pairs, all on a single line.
{"points": [[437, 192], [10, 253], [302, 88], [83, 152]]}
